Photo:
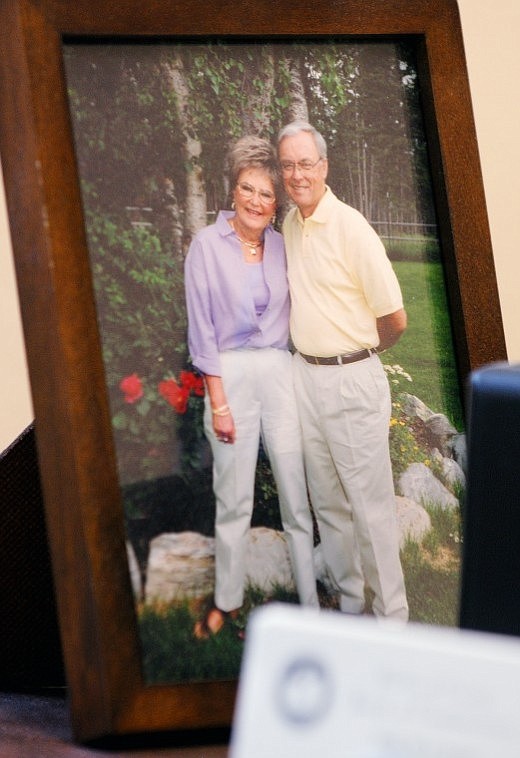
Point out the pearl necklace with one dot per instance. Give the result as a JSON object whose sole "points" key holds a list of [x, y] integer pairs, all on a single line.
{"points": [[251, 245]]}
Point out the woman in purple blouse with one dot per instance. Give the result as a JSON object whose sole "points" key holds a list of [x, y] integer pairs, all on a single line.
{"points": [[238, 330]]}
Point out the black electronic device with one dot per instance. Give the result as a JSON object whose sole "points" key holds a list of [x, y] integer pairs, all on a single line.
{"points": [[490, 581]]}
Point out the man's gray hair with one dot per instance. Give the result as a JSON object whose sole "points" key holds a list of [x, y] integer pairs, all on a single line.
{"points": [[295, 127]]}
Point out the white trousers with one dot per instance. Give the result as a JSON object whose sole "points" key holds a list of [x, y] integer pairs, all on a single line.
{"points": [[260, 392], [345, 414]]}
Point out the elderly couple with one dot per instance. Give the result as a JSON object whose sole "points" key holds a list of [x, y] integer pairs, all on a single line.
{"points": [[323, 413]]}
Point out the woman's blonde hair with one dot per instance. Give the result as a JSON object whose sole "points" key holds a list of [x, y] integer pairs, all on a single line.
{"points": [[253, 152]]}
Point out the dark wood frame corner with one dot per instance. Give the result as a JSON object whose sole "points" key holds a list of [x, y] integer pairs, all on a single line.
{"points": [[78, 469]]}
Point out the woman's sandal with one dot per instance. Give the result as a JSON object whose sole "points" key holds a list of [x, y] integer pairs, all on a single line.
{"points": [[212, 623]]}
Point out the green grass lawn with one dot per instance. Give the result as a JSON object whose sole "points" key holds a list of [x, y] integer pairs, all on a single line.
{"points": [[426, 350]]}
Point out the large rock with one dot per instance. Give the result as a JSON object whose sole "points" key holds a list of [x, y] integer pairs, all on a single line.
{"points": [[419, 484], [452, 474], [268, 564], [412, 520], [415, 408], [180, 565], [441, 432]]}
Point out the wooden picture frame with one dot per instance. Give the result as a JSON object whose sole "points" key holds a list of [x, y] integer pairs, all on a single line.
{"points": [[108, 696]]}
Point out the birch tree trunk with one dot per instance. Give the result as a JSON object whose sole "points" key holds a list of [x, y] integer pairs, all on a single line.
{"points": [[257, 115], [298, 108], [195, 207]]}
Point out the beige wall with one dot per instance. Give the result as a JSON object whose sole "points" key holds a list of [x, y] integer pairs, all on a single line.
{"points": [[15, 400], [490, 31]]}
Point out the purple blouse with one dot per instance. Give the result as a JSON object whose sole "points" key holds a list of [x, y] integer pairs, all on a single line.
{"points": [[221, 309]]}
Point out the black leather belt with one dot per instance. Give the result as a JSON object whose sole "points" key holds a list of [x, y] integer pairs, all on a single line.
{"points": [[337, 360]]}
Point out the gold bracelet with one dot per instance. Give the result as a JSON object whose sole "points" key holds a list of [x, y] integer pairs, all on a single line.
{"points": [[222, 411]]}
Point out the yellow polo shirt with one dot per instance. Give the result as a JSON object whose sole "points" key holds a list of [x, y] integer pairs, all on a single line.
{"points": [[340, 279]]}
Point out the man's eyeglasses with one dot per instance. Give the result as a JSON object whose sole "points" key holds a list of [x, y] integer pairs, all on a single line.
{"points": [[304, 166], [247, 192]]}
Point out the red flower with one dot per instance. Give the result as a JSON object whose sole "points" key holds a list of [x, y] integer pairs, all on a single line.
{"points": [[198, 388], [132, 387], [192, 382], [176, 396]]}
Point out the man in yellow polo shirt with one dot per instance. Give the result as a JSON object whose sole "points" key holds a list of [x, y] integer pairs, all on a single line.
{"points": [[346, 305]]}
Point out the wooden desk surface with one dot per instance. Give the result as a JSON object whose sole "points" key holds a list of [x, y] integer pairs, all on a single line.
{"points": [[37, 726]]}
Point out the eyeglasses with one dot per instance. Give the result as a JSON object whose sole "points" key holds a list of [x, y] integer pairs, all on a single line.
{"points": [[304, 166], [247, 192]]}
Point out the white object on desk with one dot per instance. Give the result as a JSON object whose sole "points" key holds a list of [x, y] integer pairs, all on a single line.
{"points": [[324, 685]]}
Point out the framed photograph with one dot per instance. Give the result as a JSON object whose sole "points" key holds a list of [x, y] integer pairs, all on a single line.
{"points": [[115, 123]]}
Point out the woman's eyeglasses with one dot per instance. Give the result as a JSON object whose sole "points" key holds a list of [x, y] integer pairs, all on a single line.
{"points": [[247, 192]]}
